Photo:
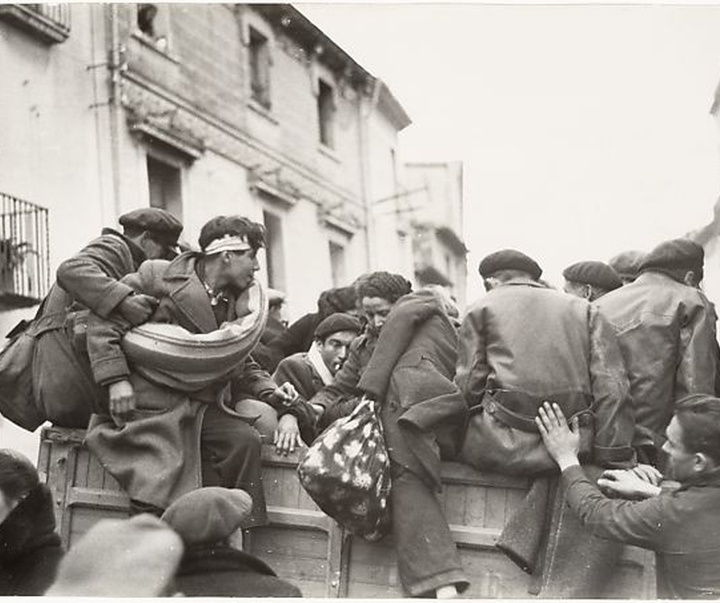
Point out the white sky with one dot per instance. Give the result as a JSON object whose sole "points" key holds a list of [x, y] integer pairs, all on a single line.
{"points": [[585, 130]]}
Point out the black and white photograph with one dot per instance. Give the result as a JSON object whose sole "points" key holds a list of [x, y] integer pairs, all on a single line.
{"points": [[360, 300]]}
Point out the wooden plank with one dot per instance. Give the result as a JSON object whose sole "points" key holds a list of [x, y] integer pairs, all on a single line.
{"points": [[477, 537], [492, 575], [495, 505], [96, 472], [459, 473], [475, 506], [99, 499], [454, 501], [81, 461]]}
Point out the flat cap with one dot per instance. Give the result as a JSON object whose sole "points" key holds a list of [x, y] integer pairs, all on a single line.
{"points": [[675, 254], [208, 515], [135, 557], [337, 322], [509, 259], [155, 220], [598, 274], [627, 263]]}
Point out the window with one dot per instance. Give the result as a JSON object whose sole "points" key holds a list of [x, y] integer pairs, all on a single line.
{"points": [[259, 56], [274, 250], [165, 186], [337, 264], [326, 113], [150, 25]]}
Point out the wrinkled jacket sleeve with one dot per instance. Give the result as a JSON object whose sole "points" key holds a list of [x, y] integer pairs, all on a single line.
{"points": [[612, 404], [92, 276], [104, 335], [472, 367], [254, 381], [697, 371], [639, 523], [345, 382]]}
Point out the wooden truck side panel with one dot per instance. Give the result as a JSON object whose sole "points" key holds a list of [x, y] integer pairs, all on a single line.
{"points": [[308, 548]]}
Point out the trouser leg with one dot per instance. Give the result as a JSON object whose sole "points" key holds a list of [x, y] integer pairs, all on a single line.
{"points": [[426, 553], [230, 457]]}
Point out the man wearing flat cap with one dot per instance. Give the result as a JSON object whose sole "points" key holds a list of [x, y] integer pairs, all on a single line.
{"points": [[310, 371], [590, 280], [63, 389], [522, 344], [666, 328], [214, 564]]}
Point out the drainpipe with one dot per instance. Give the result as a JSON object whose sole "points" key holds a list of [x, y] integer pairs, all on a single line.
{"points": [[115, 111], [366, 108]]}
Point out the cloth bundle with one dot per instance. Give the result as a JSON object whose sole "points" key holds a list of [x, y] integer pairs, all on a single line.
{"points": [[170, 355], [347, 473]]}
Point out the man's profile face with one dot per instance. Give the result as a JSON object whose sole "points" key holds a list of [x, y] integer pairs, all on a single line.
{"points": [[334, 349], [240, 269], [681, 462]]}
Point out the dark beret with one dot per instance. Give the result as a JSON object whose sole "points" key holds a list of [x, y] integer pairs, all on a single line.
{"points": [[208, 515], [598, 274], [509, 259], [676, 254], [155, 220], [627, 264], [387, 285], [337, 322]]}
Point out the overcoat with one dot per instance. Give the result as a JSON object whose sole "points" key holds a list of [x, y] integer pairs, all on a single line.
{"points": [[156, 456], [63, 386], [526, 344], [667, 335]]}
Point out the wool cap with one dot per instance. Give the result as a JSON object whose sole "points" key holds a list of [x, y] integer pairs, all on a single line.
{"points": [[337, 322], [135, 557], [598, 274], [509, 259], [208, 515], [387, 285], [675, 254], [627, 263], [159, 222]]}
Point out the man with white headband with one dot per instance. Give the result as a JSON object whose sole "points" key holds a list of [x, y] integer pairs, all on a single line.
{"points": [[159, 441]]}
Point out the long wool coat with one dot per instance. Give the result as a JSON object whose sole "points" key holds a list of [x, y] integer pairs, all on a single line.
{"points": [[63, 386], [156, 457]]}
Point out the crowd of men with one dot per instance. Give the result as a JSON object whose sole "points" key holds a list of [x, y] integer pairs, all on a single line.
{"points": [[613, 380]]}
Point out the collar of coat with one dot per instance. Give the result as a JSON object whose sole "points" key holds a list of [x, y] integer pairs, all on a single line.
{"points": [[316, 360], [189, 294], [521, 280], [138, 255]]}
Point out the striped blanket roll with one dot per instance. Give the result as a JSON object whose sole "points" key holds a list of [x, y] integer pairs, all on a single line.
{"points": [[170, 355]]}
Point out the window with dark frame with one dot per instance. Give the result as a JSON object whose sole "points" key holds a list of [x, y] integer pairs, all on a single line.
{"points": [[274, 250], [259, 57], [326, 113], [337, 264], [165, 186]]}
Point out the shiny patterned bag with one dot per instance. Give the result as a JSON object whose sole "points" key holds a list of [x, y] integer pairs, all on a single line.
{"points": [[346, 472]]}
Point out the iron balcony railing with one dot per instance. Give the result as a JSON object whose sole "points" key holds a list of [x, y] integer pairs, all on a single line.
{"points": [[24, 251], [48, 22]]}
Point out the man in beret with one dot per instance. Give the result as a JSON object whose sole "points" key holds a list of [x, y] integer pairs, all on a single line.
{"points": [[590, 280], [627, 265], [666, 329], [520, 345], [63, 389], [310, 371], [214, 564]]}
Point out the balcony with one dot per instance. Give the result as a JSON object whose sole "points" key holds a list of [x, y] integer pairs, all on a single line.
{"points": [[24, 253], [50, 23]]}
